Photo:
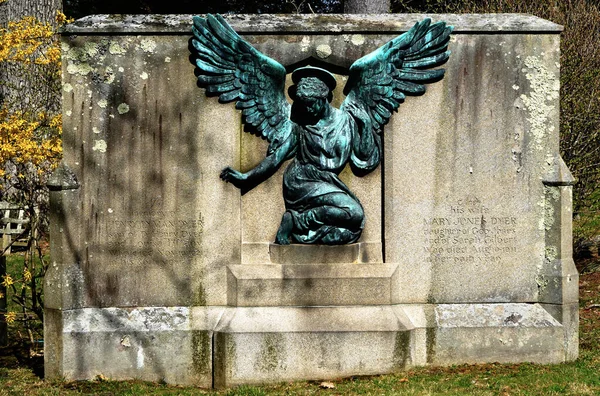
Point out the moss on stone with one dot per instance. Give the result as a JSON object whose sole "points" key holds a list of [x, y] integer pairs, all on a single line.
{"points": [[401, 349], [271, 352], [202, 352], [431, 337]]}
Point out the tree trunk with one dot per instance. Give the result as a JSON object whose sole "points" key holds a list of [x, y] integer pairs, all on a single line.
{"points": [[367, 6], [43, 10], [15, 10]]}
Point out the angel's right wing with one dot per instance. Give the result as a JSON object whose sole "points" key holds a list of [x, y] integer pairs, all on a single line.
{"points": [[231, 68], [379, 81]]}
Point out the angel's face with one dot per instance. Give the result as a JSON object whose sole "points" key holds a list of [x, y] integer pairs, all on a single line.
{"points": [[314, 106]]}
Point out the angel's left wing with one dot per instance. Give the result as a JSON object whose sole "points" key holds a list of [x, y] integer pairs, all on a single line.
{"points": [[379, 81], [228, 66]]}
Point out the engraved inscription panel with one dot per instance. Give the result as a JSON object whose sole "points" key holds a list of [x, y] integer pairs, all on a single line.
{"points": [[469, 232], [158, 236]]}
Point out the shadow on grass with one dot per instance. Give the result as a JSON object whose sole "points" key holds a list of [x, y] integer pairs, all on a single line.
{"points": [[18, 356]]}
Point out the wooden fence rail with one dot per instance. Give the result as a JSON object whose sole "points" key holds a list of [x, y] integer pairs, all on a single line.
{"points": [[12, 224]]}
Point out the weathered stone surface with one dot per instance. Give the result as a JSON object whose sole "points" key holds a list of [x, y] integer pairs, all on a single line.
{"points": [[475, 211], [144, 149], [475, 333], [307, 23], [314, 254], [466, 252], [568, 316], [170, 344]]}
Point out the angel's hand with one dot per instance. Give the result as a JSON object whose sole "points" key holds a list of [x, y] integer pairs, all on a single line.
{"points": [[234, 177], [357, 111], [359, 114]]}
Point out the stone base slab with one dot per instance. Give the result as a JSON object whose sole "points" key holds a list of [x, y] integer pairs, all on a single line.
{"points": [[504, 333], [226, 346], [322, 254], [270, 344]]}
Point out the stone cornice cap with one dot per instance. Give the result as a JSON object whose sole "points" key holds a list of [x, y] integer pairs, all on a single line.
{"points": [[312, 23]]}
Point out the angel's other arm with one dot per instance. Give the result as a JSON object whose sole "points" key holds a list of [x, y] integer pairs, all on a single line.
{"points": [[276, 155], [366, 143]]}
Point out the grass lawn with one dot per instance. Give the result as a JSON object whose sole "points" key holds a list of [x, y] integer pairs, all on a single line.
{"points": [[20, 375]]}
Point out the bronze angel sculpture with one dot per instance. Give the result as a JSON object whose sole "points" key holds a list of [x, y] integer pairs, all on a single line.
{"points": [[320, 139]]}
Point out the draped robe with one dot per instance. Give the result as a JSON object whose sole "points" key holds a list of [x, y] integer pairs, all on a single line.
{"points": [[323, 209]]}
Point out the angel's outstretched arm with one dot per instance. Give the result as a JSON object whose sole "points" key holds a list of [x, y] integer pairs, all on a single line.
{"points": [[272, 162]]}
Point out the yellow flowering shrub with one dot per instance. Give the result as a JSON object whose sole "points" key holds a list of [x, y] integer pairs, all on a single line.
{"points": [[7, 281], [30, 129], [30, 149], [10, 317], [26, 141]]}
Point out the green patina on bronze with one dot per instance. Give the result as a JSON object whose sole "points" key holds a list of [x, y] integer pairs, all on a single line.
{"points": [[319, 138]]}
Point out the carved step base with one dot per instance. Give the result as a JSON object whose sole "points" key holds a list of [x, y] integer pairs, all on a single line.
{"points": [[310, 285], [270, 253]]}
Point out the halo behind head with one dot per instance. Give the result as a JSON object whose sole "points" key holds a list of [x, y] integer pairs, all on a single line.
{"points": [[311, 71]]}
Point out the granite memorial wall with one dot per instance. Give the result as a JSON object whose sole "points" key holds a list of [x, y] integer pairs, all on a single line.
{"points": [[160, 271]]}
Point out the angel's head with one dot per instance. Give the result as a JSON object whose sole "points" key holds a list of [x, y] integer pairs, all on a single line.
{"points": [[313, 94], [313, 90]]}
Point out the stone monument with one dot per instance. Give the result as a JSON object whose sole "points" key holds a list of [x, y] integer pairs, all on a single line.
{"points": [[162, 272]]}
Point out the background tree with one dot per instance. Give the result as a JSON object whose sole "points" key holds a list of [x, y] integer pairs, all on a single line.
{"points": [[30, 141], [15, 10], [80, 8], [367, 7]]}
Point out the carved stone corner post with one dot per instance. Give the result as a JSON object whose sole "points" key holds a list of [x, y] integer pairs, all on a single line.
{"points": [[63, 280], [558, 281]]}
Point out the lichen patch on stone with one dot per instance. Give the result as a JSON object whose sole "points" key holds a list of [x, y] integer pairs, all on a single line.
{"points": [[99, 145], [305, 44], [91, 49], [109, 75], [82, 69], [544, 91], [116, 49], [148, 45], [324, 51], [358, 39], [551, 253], [123, 108], [102, 103]]}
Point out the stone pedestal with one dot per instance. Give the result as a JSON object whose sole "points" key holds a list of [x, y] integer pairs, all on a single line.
{"points": [[312, 312]]}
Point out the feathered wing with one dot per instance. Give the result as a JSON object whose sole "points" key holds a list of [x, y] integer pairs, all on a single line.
{"points": [[231, 68], [379, 81]]}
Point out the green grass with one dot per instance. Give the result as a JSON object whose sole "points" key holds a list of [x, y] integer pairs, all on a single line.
{"points": [[581, 377]]}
